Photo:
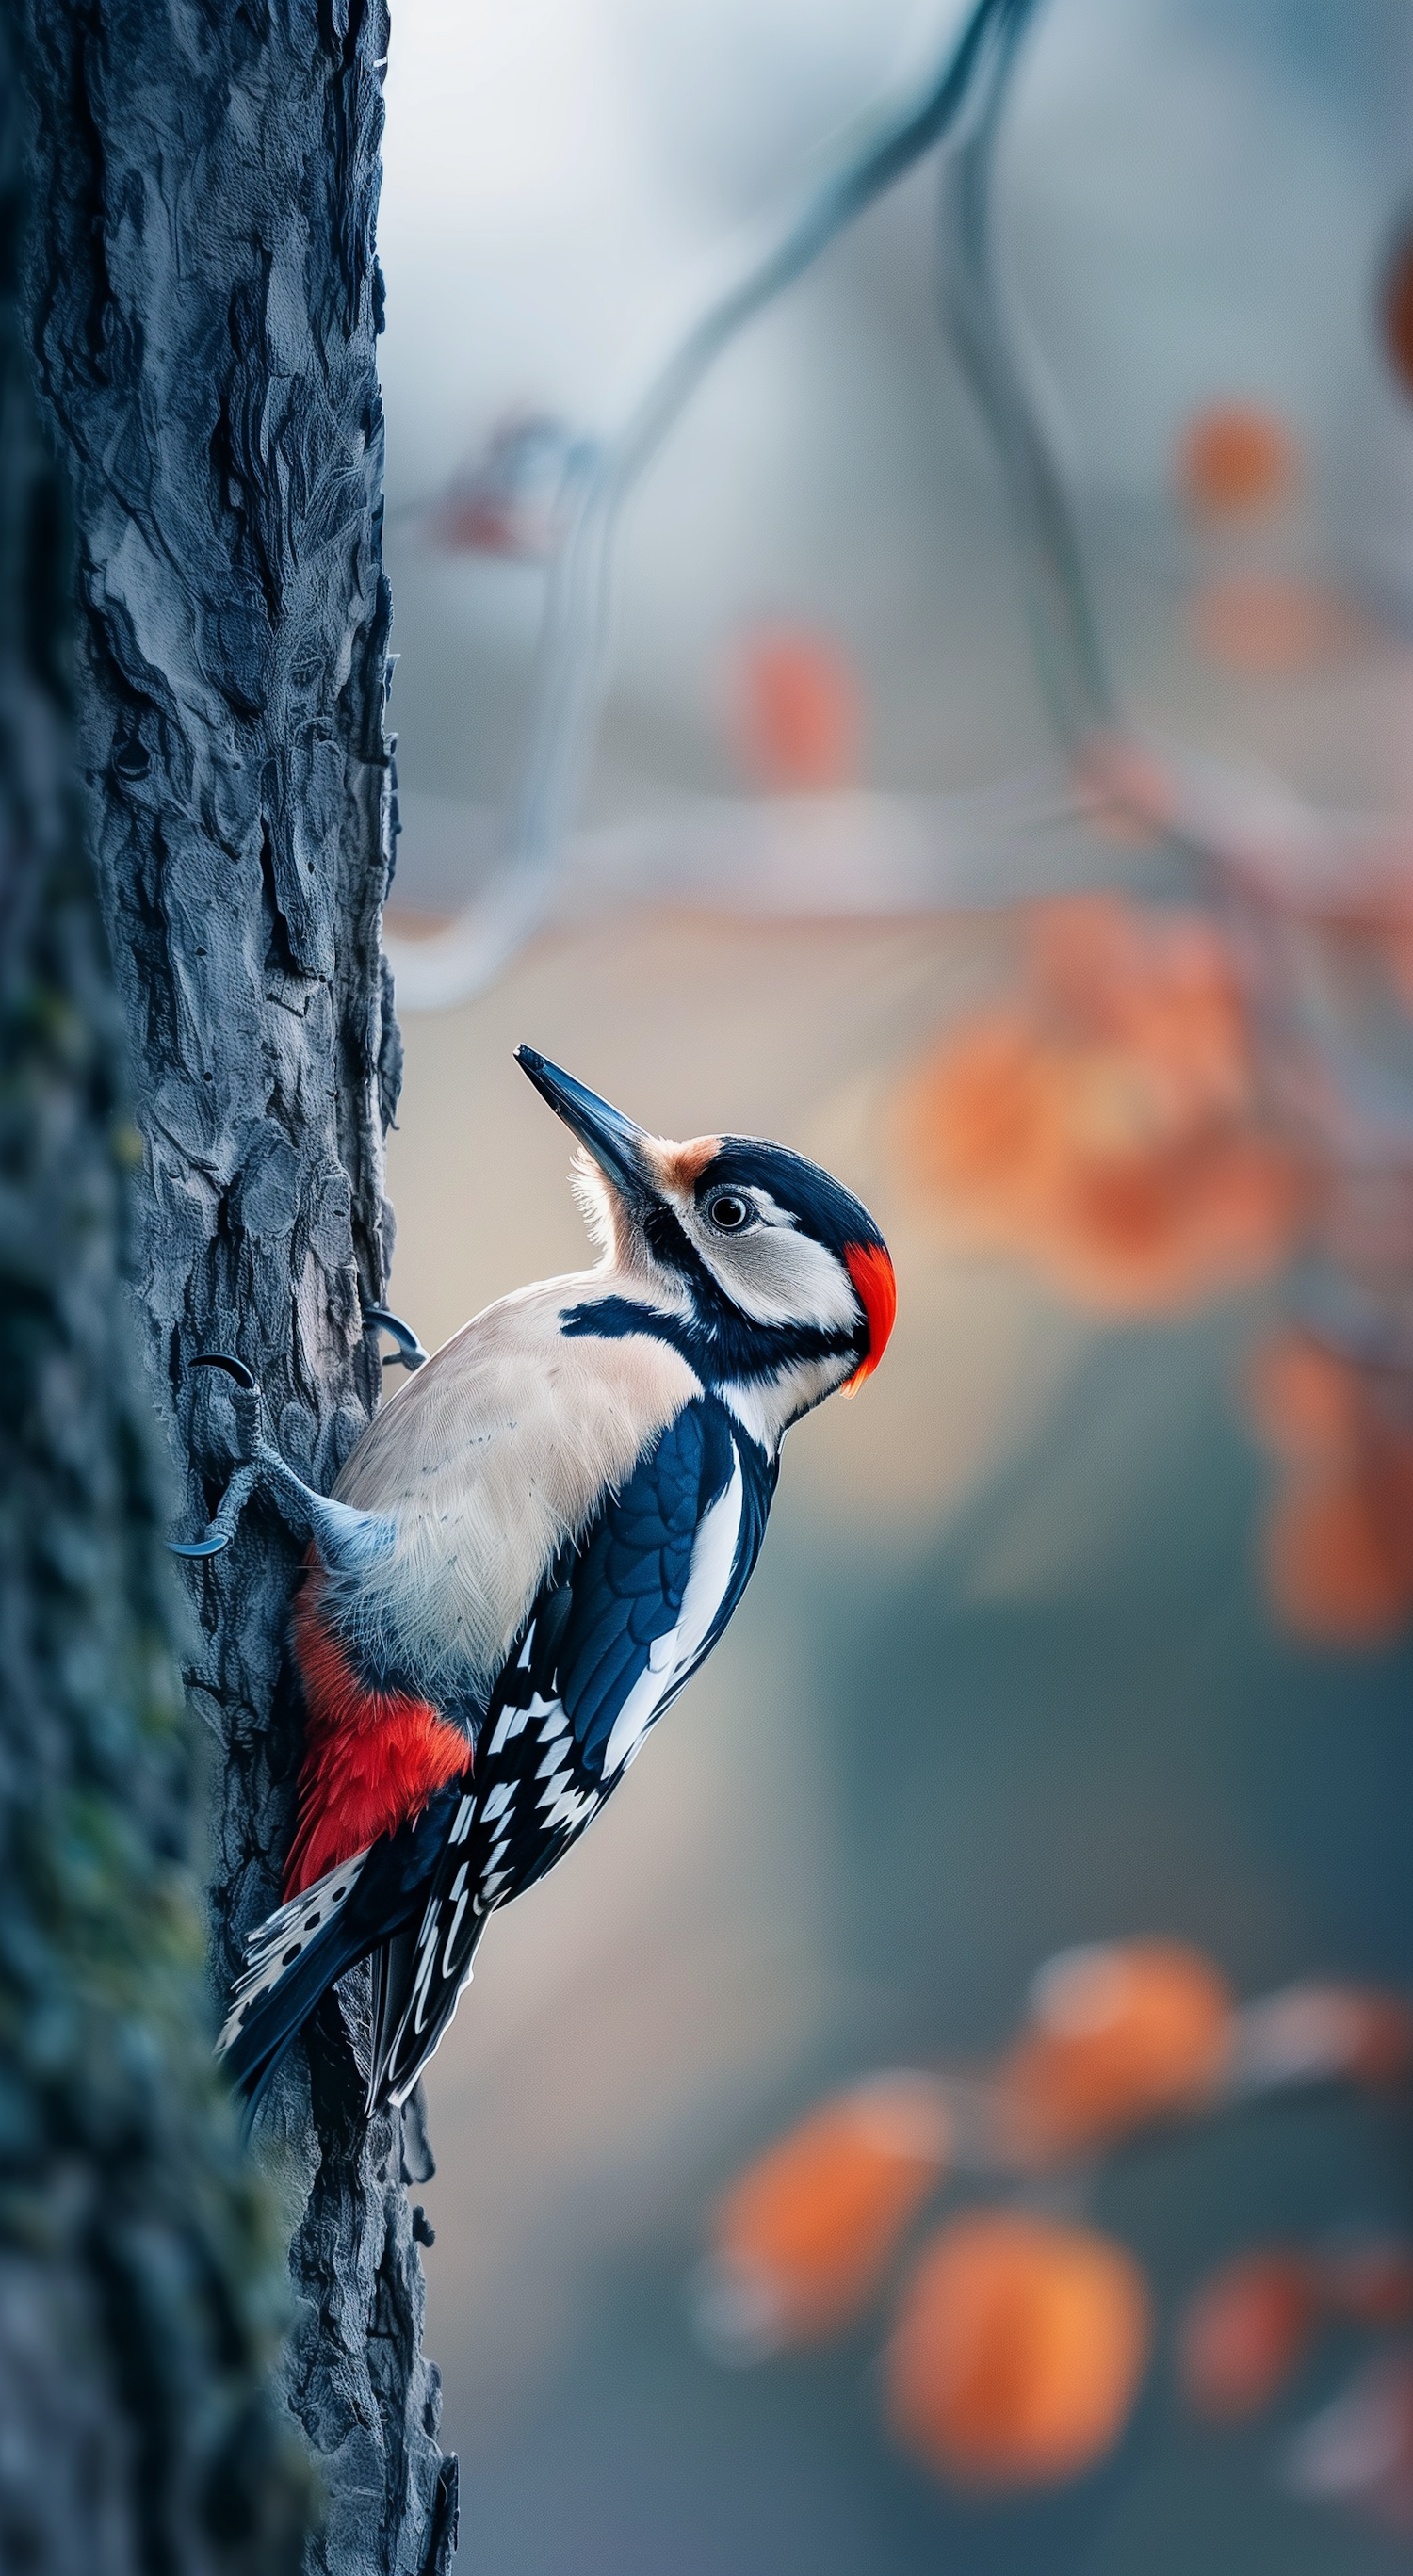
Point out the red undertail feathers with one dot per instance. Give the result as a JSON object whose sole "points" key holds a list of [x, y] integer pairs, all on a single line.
{"points": [[372, 1758]]}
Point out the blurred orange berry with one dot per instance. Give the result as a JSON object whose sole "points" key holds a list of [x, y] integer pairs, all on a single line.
{"points": [[1339, 1542], [1306, 1401], [802, 2238], [1235, 458], [1119, 2034], [1267, 626], [1103, 1118], [1372, 2284], [1398, 310], [1339, 1548], [1018, 2351], [1245, 2331], [796, 710], [1395, 938]]}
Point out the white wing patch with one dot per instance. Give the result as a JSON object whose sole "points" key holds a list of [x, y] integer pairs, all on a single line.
{"points": [[556, 1803], [281, 1939], [672, 1656], [513, 1721]]}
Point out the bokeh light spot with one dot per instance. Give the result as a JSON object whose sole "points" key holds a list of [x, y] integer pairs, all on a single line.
{"points": [[1339, 1540], [803, 2236], [1101, 1118], [1119, 2034], [1235, 458], [1018, 2351], [1245, 2332], [1271, 626], [1398, 309], [796, 710]]}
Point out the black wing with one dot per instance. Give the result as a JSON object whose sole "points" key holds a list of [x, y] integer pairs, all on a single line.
{"points": [[622, 1620]]}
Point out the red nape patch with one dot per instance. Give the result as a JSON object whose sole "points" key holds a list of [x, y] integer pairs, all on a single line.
{"points": [[371, 1758], [871, 1271]]}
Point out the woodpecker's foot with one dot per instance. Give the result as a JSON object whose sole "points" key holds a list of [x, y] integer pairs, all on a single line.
{"points": [[250, 1428], [409, 1353], [346, 1539]]}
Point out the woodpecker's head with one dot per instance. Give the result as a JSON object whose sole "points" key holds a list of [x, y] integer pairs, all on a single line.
{"points": [[781, 1278]]}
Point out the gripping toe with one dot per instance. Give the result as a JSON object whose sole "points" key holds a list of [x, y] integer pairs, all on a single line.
{"points": [[409, 1353], [222, 1527], [249, 1414]]}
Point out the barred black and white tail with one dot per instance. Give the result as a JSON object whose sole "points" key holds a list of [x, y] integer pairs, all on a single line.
{"points": [[290, 1959]]}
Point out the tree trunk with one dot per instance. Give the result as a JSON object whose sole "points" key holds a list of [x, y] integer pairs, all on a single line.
{"points": [[203, 306], [135, 2289]]}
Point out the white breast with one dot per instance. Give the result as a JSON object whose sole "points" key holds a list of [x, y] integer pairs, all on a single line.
{"points": [[487, 1460]]}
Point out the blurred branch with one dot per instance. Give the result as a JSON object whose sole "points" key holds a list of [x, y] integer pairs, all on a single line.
{"points": [[470, 952], [1123, 2044], [1064, 630]]}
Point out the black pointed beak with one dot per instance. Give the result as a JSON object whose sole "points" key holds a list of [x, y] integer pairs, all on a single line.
{"points": [[613, 1140]]}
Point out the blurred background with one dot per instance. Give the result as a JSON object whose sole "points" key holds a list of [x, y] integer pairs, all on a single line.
{"points": [[1033, 846]]}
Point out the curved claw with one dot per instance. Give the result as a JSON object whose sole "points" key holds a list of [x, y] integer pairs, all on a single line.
{"points": [[409, 1353], [233, 1368], [222, 1527], [247, 1402]]}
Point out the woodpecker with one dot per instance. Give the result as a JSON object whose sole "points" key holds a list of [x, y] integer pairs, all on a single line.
{"points": [[533, 1547]]}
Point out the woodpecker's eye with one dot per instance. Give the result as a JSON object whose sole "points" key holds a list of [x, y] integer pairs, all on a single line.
{"points": [[729, 1211]]}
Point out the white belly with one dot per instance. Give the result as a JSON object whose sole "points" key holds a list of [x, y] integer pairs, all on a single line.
{"points": [[486, 1461]]}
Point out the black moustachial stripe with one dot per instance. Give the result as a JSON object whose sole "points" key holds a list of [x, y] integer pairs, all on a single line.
{"points": [[723, 1348], [714, 1337]]}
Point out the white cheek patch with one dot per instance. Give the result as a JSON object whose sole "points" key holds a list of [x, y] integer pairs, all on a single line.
{"points": [[773, 1272], [777, 1275]]}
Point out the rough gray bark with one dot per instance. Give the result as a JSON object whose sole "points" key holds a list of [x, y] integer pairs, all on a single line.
{"points": [[204, 301], [136, 2274]]}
